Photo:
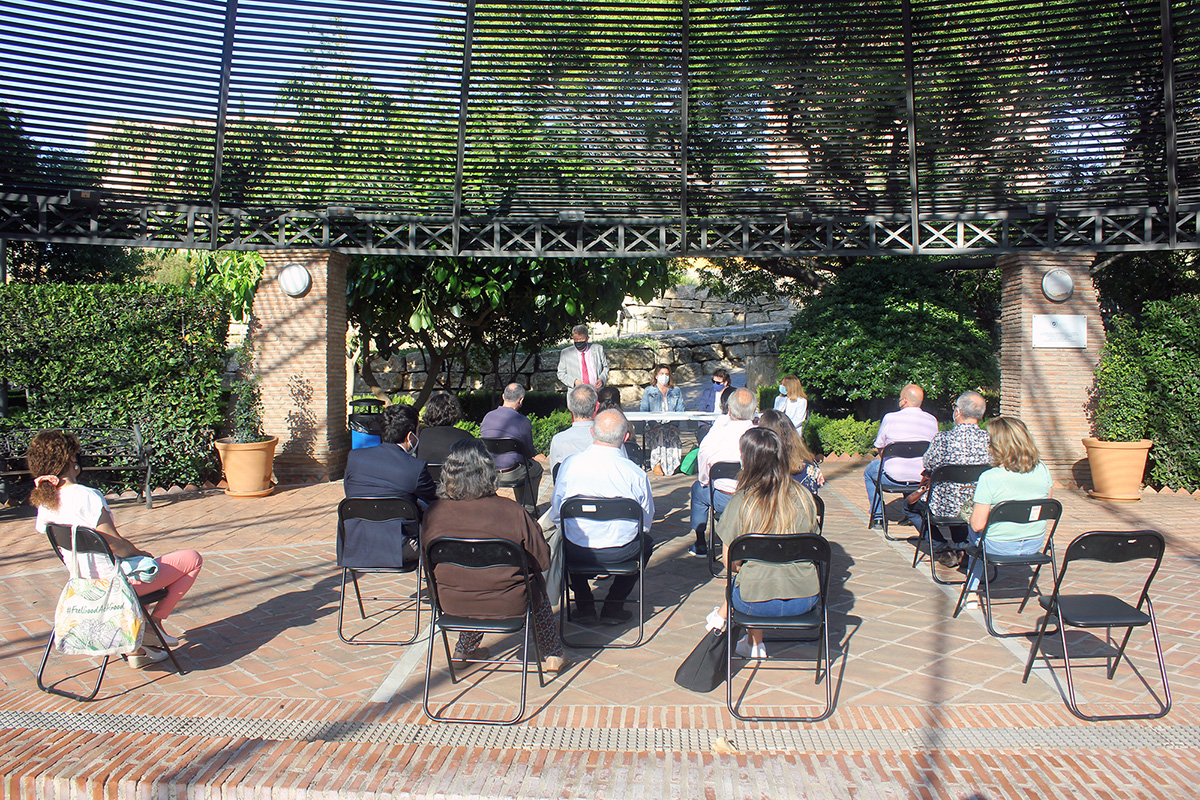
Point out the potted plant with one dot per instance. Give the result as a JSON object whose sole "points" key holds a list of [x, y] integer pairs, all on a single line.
{"points": [[247, 455], [1118, 452]]}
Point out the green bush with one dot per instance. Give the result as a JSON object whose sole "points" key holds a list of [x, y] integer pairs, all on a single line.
{"points": [[882, 325], [1121, 399], [544, 428], [476, 404], [848, 435], [110, 356], [1170, 346]]}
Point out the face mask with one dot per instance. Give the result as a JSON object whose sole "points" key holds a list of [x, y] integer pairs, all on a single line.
{"points": [[782, 389], [663, 380], [581, 346]]}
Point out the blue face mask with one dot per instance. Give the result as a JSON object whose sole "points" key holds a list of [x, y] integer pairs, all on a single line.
{"points": [[782, 389]]}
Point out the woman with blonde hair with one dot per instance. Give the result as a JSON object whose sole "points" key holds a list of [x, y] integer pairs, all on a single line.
{"points": [[792, 400], [801, 463], [767, 501], [53, 458], [1018, 474]]}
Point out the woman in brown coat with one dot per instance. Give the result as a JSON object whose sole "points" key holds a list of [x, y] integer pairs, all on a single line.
{"points": [[468, 507]]}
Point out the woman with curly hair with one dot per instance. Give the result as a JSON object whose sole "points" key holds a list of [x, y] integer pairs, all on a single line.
{"points": [[53, 458]]}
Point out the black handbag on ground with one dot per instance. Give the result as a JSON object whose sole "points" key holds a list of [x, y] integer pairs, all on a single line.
{"points": [[706, 667]]}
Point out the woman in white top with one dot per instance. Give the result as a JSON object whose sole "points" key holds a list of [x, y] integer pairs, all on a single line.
{"points": [[53, 458], [792, 401]]}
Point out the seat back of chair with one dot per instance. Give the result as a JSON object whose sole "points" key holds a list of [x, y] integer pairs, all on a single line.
{"points": [[500, 446], [473, 554], [914, 449], [1116, 547], [784, 549], [820, 504], [602, 508], [96, 559], [370, 532], [957, 473], [724, 469], [1043, 510]]}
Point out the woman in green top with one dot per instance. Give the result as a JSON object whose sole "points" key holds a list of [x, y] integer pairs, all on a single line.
{"points": [[1018, 474], [767, 500]]}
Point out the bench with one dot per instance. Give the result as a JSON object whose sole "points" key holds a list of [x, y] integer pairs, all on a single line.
{"points": [[101, 450]]}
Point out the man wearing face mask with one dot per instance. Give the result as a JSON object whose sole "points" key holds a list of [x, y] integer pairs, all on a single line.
{"points": [[582, 362], [391, 470], [710, 400]]}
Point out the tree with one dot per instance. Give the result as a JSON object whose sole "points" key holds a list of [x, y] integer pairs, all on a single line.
{"points": [[885, 323], [448, 307], [51, 262]]}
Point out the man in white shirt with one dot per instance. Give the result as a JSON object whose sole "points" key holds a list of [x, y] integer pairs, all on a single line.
{"points": [[721, 444], [909, 424], [602, 470], [582, 362]]}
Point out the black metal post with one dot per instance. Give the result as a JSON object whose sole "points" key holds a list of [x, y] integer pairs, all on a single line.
{"points": [[1168, 41], [463, 100], [913, 183], [683, 131], [222, 111]]}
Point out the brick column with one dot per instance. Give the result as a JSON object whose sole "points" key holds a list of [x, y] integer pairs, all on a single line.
{"points": [[300, 353], [1047, 388]]}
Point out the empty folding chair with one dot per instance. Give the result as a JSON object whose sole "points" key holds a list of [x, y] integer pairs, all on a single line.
{"points": [[895, 450], [478, 554], [718, 471], [783, 549], [1104, 610], [947, 473], [603, 508], [1020, 511], [94, 545], [371, 540]]}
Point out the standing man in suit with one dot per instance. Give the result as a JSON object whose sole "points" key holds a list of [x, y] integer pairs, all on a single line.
{"points": [[583, 362]]}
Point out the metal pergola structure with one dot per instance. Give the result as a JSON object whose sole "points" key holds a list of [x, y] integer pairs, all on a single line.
{"points": [[757, 128]]}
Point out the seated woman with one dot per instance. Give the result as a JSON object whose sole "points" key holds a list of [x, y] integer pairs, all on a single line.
{"points": [[468, 507], [53, 458], [1018, 474], [608, 397], [801, 463], [666, 449], [768, 501], [438, 433], [792, 400]]}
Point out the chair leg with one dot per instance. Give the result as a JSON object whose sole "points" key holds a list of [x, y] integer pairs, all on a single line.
{"points": [[353, 575], [51, 690], [1037, 643], [170, 653], [710, 534]]}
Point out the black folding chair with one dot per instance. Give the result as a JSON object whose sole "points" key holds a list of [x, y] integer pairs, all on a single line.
{"points": [[1043, 510], [89, 541], [947, 473], [371, 540], [895, 450], [1105, 611], [478, 554], [820, 504], [784, 549], [502, 446], [719, 470], [605, 509]]}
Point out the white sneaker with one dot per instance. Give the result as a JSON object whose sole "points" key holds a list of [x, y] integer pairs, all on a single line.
{"points": [[744, 649], [147, 656], [714, 620], [165, 638]]}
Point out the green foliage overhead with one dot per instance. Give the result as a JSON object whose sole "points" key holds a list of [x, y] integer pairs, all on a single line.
{"points": [[110, 356], [45, 262], [882, 324], [231, 274]]}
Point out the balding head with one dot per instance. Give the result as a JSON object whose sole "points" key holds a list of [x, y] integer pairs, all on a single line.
{"points": [[582, 402], [912, 395], [513, 395], [970, 406], [742, 404], [609, 428]]}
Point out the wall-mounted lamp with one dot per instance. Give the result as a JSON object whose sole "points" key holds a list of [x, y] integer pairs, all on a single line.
{"points": [[83, 198], [571, 215], [340, 212], [295, 280], [798, 215], [1058, 285]]}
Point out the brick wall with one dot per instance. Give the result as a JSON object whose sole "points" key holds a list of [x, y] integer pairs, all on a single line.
{"points": [[300, 344], [1048, 388]]}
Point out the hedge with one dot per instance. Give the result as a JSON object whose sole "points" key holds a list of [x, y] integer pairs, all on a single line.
{"points": [[1170, 346], [110, 356]]}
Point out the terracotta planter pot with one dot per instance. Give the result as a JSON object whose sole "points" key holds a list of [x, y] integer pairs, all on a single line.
{"points": [[1117, 468], [247, 466]]}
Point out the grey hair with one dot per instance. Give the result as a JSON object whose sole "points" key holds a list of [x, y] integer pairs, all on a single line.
{"points": [[610, 427], [579, 330], [581, 401], [468, 473], [971, 405], [742, 404], [514, 392]]}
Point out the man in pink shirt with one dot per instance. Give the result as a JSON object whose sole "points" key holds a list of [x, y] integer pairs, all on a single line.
{"points": [[721, 444], [909, 424]]}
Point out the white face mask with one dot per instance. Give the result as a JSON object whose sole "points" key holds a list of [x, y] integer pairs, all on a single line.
{"points": [[782, 389], [663, 380]]}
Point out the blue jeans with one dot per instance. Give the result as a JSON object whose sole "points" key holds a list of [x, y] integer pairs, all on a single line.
{"points": [[1020, 547], [590, 558], [875, 501], [700, 505], [774, 608]]}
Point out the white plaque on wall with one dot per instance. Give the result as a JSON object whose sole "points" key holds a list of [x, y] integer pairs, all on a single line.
{"points": [[1059, 330]]}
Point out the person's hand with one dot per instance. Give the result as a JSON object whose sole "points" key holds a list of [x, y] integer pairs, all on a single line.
{"points": [[578, 381], [599, 384]]}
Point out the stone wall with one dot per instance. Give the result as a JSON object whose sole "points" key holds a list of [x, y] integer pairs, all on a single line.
{"points": [[691, 355], [690, 307]]}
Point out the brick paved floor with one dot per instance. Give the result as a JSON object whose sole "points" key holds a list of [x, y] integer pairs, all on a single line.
{"points": [[275, 706]]}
